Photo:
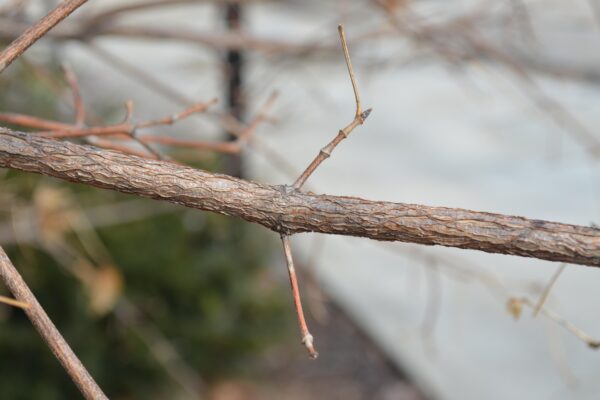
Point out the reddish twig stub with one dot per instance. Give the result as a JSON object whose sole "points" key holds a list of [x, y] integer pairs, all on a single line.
{"points": [[307, 338]]}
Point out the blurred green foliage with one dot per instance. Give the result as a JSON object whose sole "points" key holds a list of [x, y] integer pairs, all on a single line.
{"points": [[199, 279]]}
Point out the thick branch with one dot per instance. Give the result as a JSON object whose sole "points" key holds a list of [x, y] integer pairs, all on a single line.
{"points": [[289, 211], [48, 331]]}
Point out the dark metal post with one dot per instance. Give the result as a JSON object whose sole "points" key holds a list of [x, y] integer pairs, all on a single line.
{"points": [[234, 91]]}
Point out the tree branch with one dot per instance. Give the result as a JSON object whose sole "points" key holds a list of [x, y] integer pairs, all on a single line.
{"points": [[35, 32], [288, 211], [42, 323]]}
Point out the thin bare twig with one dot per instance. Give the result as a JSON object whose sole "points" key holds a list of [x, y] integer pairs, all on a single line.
{"points": [[42, 323], [231, 123], [123, 128], [518, 303], [62, 130], [13, 302], [547, 289], [35, 32], [77, 100], [359, 119], [307, 338]]}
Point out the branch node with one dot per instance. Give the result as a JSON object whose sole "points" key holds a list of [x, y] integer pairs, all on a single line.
{"points": [[279, 227], [326, 152]]}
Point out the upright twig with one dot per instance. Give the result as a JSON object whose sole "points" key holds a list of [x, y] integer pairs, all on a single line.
{"points": [[76, 93], [35, 32], [42, 323], [359, 118]]}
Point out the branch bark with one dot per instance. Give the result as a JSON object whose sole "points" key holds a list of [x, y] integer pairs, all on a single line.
{"points": [[288, 211]]}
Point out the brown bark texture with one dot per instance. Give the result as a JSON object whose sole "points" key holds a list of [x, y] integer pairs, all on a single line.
{"points": [[288, 211]]}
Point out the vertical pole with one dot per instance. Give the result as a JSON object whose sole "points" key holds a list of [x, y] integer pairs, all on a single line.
{"points": [[234, 69]]}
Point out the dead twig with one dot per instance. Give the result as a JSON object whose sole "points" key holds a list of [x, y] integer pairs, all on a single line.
{"points": [[77, 100], [547, 289], [359, 118], [42, 323], [35, 32], [515, 306], [307, 338], [126, 127], [13, 302]]}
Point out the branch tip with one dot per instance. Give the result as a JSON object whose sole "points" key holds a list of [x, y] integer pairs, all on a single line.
{"points": [[365, 114], [308, 342]]}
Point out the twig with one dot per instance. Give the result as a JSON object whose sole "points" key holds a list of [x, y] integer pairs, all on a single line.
{"points": [[307, 338], [227, 147], [350, 71], [13, 302], [29, 121], [547, 289], [40, 320], [359, 119], [591, 342], [77, 100], [150, 82], [133, 132], [61, 130], [80, 117], [35, 32], [123, 128]]}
